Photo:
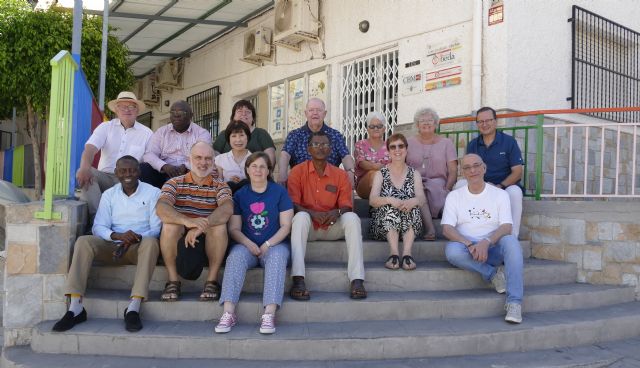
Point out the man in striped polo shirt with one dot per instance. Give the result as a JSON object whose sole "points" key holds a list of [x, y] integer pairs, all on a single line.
{"points": [[194, 209]]}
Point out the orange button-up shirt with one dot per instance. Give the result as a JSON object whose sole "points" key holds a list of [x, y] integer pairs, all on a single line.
{"points": [[323, 193]]}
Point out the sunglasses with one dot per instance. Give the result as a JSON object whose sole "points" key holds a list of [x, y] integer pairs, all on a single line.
{"points": [[376, 126]]}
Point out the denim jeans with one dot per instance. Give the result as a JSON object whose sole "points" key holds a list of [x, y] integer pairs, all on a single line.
{"points": [[507, 251]]}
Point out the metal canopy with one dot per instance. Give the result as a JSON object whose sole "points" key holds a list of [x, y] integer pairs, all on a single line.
{"points": [[157, 30]]}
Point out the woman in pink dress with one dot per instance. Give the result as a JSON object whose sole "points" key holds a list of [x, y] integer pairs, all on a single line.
{"points": [[435, 159], [370, 154]]}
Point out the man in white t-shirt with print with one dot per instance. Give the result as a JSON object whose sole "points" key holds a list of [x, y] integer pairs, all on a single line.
{"points": [[477, 221]]}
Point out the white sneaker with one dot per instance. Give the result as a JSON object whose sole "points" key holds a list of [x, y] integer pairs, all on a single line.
{"points": [[227, 321], [514, 313], [268, 325], [498, 281]]}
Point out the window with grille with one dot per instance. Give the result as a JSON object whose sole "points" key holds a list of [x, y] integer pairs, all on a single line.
{"points": [[145, 119], [369, 84], [606, 66], [206, 109]]}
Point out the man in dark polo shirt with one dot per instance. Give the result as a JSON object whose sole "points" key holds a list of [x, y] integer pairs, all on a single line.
{"points": [[501, 154], [194, 209]]}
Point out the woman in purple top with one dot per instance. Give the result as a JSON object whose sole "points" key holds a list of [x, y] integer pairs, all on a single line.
{"points": [[260, 225], [435, 159], [371, 154]]}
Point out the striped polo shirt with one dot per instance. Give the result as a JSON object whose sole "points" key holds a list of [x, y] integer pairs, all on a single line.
{"points": [[194, 200]]}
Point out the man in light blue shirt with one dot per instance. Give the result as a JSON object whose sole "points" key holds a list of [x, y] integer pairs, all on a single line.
{"points": [[125, 231]]}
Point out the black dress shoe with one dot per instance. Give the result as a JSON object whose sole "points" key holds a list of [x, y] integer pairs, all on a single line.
{"points": [[132, 322], [69, 320]]}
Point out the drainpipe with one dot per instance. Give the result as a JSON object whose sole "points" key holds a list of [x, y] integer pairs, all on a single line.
{"points": [[103, 55], [76, 38], [476, 58]]}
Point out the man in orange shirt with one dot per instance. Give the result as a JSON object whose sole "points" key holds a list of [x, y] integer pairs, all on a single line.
{"points": [[322, 199]]}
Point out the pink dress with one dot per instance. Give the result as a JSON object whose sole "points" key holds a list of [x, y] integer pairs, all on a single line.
{"points": [[363, 151], [431, 162]]}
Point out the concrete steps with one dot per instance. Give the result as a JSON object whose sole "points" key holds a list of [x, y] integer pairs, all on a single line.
{"points": [[346, 340], [618, 354], [397, 306]]}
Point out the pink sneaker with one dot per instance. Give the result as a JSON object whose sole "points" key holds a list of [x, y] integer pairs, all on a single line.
{"points": [[227, 321], [268, 325]]}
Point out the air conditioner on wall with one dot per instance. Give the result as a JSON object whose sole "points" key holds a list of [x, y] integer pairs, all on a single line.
{"points": [[257, 45], [295, 21], [169, 74], [149, 93]]}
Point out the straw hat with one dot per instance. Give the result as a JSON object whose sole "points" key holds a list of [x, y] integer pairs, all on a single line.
{"points": [[128, 97]]}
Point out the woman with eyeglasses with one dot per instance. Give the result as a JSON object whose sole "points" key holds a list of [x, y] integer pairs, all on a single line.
{"points": [[370, 154], [435, 159], [396, 198], [260, 139], [230, 165], [260, 225]]}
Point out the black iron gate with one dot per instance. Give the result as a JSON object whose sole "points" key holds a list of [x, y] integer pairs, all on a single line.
{"points": [[206, 109]]}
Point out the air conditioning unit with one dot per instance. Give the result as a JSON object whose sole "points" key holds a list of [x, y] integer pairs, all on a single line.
{"points": [[257, 45], [169, 74], [295, 21], [149, 94]]}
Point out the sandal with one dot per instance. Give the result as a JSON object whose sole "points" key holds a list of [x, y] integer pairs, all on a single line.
{"points": [[210, 292], [393, 262], [357, 289], [299, 289], [408, 263], [171, 291], [430, 237]]}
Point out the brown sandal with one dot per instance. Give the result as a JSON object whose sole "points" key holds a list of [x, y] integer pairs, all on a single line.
{"points": [[299, 289], [171, 291], [357, 289], [210, 292]]}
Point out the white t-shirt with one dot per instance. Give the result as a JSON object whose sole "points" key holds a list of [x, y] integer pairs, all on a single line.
{"points": [[476, 216], [114, 141], [230, 167]]}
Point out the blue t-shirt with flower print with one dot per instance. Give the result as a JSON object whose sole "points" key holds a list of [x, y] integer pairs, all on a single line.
{"points": [[260, 212]]}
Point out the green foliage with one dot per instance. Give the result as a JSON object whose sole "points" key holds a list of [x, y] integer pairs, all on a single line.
{"points": [[28, 41]]}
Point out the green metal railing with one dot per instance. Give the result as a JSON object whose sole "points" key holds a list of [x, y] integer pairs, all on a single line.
{"points": [[59, 136]]}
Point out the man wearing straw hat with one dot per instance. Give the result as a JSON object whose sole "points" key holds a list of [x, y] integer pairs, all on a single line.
{"points": [[115, 138]]}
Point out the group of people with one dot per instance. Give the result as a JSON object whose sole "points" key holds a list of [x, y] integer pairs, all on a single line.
{"points": [[175, 195]]}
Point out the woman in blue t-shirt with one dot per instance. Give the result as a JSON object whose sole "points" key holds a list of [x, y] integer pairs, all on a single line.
{"points": [[260, 225]]}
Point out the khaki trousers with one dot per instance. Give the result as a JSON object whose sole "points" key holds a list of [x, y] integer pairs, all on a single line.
{"points": [[90, 247], [347, 227], [92, 193]]}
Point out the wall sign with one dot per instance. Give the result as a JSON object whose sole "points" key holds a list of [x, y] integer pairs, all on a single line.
{"points": [[496, 13]]}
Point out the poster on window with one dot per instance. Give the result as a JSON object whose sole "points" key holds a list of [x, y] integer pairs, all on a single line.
{"points": [[318, 86], [276, 125], [295, 113]]}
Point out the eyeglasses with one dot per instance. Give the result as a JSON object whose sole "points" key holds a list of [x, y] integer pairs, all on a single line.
{"points": [[258, 167], [486, 121], [376, 126], [477, 165], [314, 111], [244, 111], [427, 121], [127, 107], [394, 147], [178, 114], [319, 145]]}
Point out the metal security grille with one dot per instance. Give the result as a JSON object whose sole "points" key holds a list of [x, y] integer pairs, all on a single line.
{"points": [[605, 67], [369, 84], [206, 109]]}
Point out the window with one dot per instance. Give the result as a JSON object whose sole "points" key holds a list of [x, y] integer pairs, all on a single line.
{"points": [[145, 119], [369, 84], [288, 98], [206, 109], [606, 57]]}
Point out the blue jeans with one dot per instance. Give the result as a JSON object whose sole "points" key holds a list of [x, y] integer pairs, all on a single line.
{"points": [[507, 251]]}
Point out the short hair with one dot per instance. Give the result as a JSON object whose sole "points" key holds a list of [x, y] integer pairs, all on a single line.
{"points": [[236, 126], [252, 158], [487, 108], [240, 104], [319, 133], [396, 137], [426, 111], [184, 104], [128, 158], [375, 115]]}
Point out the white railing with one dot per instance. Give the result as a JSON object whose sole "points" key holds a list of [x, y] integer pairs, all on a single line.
{"points": [[590, 160]]}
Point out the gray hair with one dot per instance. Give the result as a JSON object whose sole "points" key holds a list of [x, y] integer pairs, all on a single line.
{"points": [[376, 115], [426, 111]]}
